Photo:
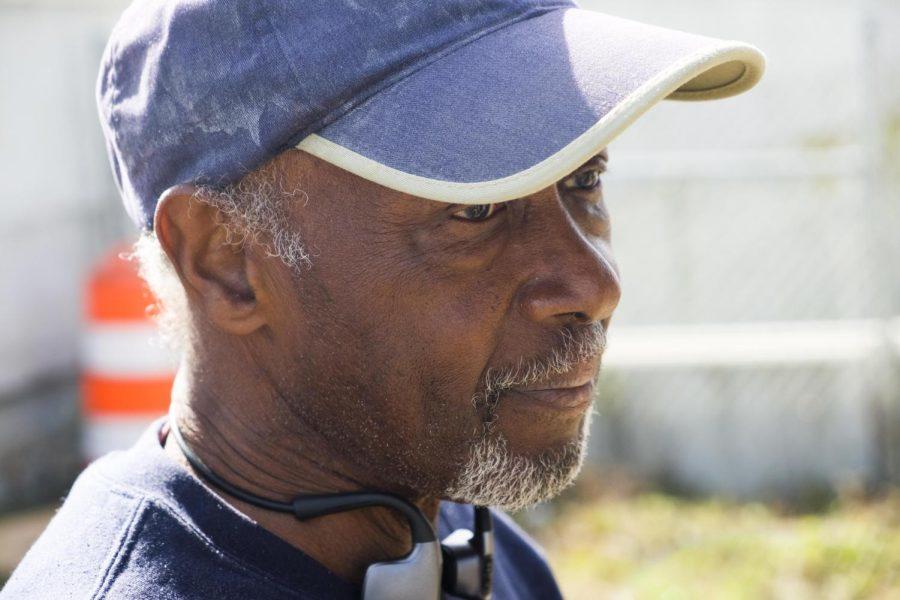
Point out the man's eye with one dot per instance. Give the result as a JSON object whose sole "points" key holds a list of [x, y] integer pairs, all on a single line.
{"points": [[583, 180], [478, 212]]}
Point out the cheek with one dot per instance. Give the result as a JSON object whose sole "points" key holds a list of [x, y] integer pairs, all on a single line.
{"points": [[429, 312], [433, 341], [413, 346], [400, 340]]}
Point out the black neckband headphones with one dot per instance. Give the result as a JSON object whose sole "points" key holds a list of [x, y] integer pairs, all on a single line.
{"points": [[461, 564]]}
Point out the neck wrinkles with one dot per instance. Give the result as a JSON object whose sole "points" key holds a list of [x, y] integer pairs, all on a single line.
{"points": [[254, 444]]}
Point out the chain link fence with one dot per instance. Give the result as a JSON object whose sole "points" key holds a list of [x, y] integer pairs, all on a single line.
{"points": [[738, 219]]}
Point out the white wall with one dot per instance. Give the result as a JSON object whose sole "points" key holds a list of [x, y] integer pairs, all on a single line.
{"points": [[58, 205], [58, 212]]}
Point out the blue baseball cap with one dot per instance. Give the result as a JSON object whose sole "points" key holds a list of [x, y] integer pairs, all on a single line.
{"points": [[462, 101]]}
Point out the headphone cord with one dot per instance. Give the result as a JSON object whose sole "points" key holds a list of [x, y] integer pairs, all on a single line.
{"points": [[313, 505]]}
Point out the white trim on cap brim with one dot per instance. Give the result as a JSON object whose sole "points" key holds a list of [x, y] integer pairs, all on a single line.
{"points": [[578, 151]]}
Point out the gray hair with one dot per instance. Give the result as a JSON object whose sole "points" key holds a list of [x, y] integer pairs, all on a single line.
{"points": [[253, 212]]}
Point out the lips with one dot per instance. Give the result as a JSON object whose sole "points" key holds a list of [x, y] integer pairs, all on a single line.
{"points": [[571, 392], [562, 399]]}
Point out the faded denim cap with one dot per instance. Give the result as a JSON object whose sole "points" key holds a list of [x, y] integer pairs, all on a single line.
{"points": [[462, 101]]}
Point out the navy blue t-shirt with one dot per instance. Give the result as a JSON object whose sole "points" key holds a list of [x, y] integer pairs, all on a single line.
{"points": [[137, 525]]}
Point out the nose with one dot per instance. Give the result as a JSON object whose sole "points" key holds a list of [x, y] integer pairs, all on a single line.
{"points": [[574, 281]]}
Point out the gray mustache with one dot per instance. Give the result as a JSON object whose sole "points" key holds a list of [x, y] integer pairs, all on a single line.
{"points": [[574, 348]]}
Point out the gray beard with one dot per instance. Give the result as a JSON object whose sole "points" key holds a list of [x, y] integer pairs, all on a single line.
{"points": [[494, 476]]}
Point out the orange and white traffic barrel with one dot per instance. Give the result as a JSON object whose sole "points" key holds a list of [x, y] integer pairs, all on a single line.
{"points": [[127, 373]]}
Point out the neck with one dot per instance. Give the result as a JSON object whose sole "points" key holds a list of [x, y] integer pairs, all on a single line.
{"points": [[247, 441]]}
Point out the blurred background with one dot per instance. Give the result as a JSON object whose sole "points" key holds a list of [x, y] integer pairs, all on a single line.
{"points": [[747, 436]]}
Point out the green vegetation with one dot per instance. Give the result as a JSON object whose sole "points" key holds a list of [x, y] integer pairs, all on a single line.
{"points": [[656, 546]]}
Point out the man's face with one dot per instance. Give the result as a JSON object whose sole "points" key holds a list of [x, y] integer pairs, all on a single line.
{"points": [[427, 339]]}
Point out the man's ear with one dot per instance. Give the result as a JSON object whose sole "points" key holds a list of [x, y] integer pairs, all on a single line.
{"points": [[220, 278]]}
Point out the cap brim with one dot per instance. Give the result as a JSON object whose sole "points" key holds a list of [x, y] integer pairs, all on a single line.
{"points": [[518, 109]]}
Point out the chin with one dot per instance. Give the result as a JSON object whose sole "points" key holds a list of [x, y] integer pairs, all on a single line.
{"points": [[533, 433], [498, 474]]}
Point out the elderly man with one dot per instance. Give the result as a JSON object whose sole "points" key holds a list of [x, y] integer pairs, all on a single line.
{"points": [[378, 232]]}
